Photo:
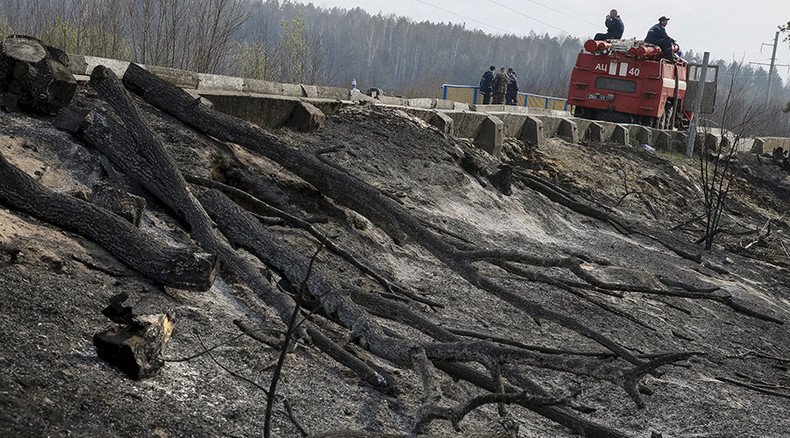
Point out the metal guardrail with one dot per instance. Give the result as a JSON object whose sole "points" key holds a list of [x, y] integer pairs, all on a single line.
{"points": [[470, 94]]}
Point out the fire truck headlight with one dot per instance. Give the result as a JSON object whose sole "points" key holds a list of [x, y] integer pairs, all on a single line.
{"points": [[610, 97]]}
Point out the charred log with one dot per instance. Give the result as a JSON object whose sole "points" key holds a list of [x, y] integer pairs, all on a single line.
{"points": [[34, 77], [176, 267]]}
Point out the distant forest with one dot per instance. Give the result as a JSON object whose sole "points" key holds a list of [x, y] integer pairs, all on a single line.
{"points": [[293, 42]]}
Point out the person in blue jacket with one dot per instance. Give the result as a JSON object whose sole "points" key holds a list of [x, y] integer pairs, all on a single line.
{"points": [[658, 35], [487, 85], [614, 27]]}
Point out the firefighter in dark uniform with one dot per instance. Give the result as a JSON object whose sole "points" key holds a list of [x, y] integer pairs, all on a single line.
{"points": [[658, 35], [487, 85], [614, 27]]}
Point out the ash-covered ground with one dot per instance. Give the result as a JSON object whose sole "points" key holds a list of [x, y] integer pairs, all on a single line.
{"points": [[55, 286]]}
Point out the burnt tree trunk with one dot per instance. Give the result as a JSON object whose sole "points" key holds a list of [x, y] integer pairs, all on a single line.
{"points": [[136, 149], [179, 268], [345, 189], [33, 77]]}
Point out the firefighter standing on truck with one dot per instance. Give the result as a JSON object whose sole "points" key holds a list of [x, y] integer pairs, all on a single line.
{"points": [[658, 35]]}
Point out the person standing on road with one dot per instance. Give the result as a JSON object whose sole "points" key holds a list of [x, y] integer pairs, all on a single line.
{"points": [[614, 27], [511, 96], [500, 87], [487, 85], [658, 35]]}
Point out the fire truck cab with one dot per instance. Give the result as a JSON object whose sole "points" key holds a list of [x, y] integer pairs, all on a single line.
{"points": [[627, 81]]}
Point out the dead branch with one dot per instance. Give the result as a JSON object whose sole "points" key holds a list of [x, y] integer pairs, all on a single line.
{"points": [[292, 417], [284, 350], [252, 332], [228, 370], [514, 343], [247, 198], [456, 414], [765, 389]]}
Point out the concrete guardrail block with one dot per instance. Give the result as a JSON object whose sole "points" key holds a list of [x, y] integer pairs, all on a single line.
{"points": [[390, 100], [621, 135], [595, 132], [261, 87], [309, 90], [219, 82], [712, 141], [568, 130], [490, 135], [293, 90], [117, 67], [443, 104], [306, 118], [758, 147], [77, 64], [532, 131], [640, 135], [332, 92], [443, 123], [179, 78]]}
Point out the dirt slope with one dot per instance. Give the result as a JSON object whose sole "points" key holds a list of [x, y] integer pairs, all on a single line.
{"points": [[55, 287]]}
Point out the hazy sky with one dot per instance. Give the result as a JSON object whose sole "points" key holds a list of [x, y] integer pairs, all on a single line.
{"points": [[728, 29]]}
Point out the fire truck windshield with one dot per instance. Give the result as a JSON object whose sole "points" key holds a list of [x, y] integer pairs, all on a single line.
{"points": [[608, 83]]}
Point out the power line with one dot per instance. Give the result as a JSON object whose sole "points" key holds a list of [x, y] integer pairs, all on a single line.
{"points": [[463, 16], [530, 17], [499, 28], [563, 13]]}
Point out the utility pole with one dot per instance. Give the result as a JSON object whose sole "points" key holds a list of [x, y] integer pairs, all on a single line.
{"points": [[771, 69], [772, 65], [697, 106]]}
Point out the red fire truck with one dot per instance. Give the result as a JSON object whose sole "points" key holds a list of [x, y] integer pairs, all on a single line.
{"points": [[627, 81]]}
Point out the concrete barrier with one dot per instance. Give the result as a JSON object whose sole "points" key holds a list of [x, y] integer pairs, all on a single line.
{"points": [[498, 108], [620, 135], [423, 102], [568, 130], [512, 124], [595, 132], [712, 141], [118, 67], [306, 118], [591, 130], [309, 91], [268, 111], [532, 132], [293, 90], [332, 92], [179, 78], [521, 126], [490, 137], [561, 127], [443, 104], [766, 145], [485, 130], [669, 141], [390, 100], [434, 118], [260, 87], [219, 82], [640, 135], [77, 64], [329, 107]]}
